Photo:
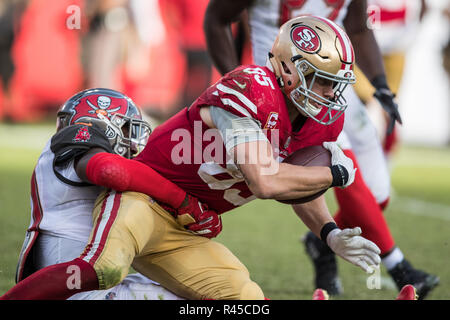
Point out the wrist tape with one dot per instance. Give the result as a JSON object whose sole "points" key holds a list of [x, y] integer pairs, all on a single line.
{"points": [[326, 229], [340, 175]]}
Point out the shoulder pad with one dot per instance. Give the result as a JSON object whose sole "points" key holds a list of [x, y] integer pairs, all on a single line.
{"points": [[77, 139], [249, 90]]}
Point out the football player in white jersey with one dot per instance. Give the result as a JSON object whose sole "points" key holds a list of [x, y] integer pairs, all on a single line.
{"points": [[61, 203], [362, 203], [395, 24]]}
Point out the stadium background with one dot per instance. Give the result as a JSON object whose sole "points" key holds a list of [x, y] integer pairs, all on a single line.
{"points": [[155, 54]]}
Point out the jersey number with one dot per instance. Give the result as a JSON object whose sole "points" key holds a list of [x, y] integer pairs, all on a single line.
{"points": [[260, 76], [208, 170]]}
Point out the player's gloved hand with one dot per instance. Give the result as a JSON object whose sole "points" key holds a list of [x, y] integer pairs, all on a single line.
{"points": [[341, 166], [350, 246], [197, 217], [386, 98]]}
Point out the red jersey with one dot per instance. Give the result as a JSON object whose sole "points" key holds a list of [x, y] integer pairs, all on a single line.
{"points": [[184, 151]]}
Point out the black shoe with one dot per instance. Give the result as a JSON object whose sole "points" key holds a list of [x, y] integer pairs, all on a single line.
{"points": [[325, 265], [403, 273]]}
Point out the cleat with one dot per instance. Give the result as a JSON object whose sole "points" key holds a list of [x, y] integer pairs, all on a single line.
{"points": [[408, 292], [325, 265], [320, 294], [403, 273]]}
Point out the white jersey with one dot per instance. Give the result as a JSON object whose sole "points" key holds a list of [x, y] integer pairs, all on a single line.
{"points": [[58, 208], [266, 17], [395, 23]]}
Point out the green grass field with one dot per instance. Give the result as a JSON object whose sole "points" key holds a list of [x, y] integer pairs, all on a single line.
{"points": [[265, 235]]}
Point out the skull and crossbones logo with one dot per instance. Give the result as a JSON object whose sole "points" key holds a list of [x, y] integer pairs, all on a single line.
{"points": [[103, 103]]}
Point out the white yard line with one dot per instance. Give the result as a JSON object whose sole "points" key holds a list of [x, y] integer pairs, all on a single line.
{"points": [[421, 208]]}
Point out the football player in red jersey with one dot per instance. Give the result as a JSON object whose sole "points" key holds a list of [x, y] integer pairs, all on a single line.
{"points": [[369, 194], [298, 99]]}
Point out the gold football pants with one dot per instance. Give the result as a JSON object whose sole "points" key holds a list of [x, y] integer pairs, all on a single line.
{"points": [[130, 229], [394, 64]]}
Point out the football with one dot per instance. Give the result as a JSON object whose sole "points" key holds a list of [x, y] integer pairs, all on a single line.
{"points": [[309, 157]]}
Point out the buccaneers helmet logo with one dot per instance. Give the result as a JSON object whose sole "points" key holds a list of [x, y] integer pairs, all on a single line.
{"points": [[95, 105]]}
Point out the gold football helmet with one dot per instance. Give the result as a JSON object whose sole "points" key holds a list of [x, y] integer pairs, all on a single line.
{"points": [[308, 48]]}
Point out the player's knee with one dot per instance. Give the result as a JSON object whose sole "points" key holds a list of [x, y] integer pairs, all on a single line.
{"points": [[111, 275], [243, 288], [251, 291]]}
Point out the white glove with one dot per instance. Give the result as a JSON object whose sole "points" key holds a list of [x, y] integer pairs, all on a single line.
{"points": [[350, 246], [339, 158]]}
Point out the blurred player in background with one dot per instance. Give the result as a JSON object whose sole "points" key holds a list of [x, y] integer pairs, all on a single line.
{"points": [[361, 204], [127, 43], [130, 41], [10, 15], [395, 25], [95, 128], [46, 56], [186, 17], [446, 48], [284, 104]]}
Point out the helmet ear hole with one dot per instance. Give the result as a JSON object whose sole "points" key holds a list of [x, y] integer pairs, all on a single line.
{"points": [[285, 68]]}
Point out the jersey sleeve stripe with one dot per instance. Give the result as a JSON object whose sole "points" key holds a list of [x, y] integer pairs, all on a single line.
{"points": [[343, 39], [240, 97], [236, 106]]}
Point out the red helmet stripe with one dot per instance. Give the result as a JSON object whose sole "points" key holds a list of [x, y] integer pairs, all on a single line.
{"points": [[348, 53]]}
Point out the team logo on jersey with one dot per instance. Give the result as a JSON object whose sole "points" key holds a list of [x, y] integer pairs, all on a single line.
{"points": [[82, 135], [306, 39], [96, 105], [272, 121]]}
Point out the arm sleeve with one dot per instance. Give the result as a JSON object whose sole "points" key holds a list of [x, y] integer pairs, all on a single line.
{"points": [[121, 174], [234, 129]]}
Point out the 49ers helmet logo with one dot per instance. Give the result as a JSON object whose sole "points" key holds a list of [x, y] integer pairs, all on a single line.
{"points": [[306, 39]]}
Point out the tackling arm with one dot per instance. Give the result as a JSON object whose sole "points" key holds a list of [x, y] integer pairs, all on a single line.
{"points": [[121, 174]]}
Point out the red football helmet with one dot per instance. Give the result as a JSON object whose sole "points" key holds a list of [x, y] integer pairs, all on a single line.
{"points": [[114, 112]]}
